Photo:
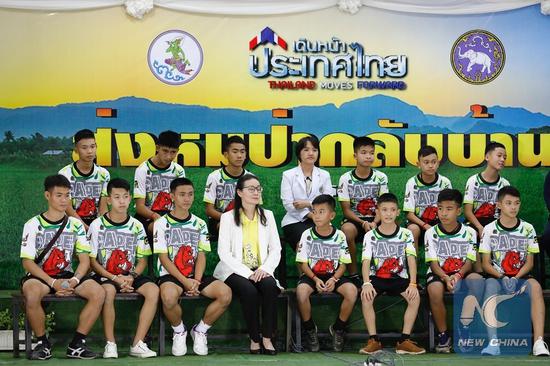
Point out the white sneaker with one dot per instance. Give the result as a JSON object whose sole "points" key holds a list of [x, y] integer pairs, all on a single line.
{"points": [[491, 350], [179, 345], [200, 343], [110, 350], [540, 348], [142, 351]]}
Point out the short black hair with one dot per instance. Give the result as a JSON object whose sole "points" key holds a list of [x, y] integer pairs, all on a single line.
{"points": [[426, 150], [325, 198], [449, 194], [232, 140], [387, 197], [169, 139], [57, 180], [361, 141], [180, 182], [83, 134], [303, 142], [118, 183], [508, 190], [493, 145]]}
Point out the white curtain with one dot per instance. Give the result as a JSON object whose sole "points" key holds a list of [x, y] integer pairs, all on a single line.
{"points": [[265, 7]]}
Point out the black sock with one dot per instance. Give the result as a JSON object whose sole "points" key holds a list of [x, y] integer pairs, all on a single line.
{"points": [[78, 337], [375, 337], [339, 324], [443, 336], [404, 337], [44, 340], [309, 324]]}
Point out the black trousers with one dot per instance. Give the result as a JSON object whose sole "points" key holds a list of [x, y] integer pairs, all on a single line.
{"points": [[252, 295]]}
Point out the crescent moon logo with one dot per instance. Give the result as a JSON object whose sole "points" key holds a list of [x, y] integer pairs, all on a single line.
{"points": [[489, 310]]}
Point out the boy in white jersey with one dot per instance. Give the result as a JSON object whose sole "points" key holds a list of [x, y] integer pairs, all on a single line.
{"points": [[88, 180], [480, 196], [119, 259], [507, 249], [389, 266], [421, 193], [450, 254], [323, 255], [48, 266], [358, 191], [219, 193], [152, 180], [181, 241]]}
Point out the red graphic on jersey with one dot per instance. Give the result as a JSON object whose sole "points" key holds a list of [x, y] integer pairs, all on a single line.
{"points": [[390, 268], [486, 210], [56, 263], [118, 263], [429, 215], [323, 267], [185, 260], [87, 208], [452, 265], [367, 207], [163, 202], [230, 206], [511, 263]]}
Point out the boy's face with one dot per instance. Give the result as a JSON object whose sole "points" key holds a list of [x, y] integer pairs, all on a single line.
{"points": [[119, 200], [322, 214], [496, 158], [183, 197], [509, 206], [364, 156], [309, 154], [235, 154], [166, 154], [388, 212], [86, 150], [428, 164], [58, 198], [448, 212]]}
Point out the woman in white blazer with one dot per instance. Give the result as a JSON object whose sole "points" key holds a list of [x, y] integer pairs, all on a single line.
{"points": [[299, 187], [250, 250]]}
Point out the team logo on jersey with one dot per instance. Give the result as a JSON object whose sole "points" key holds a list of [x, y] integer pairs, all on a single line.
{"points": [[429, 215], [163, 202], [56, 263], [175, 57], [511, 263], [452, 265], [87, 208], [118, 262], [487, 209], [367, 207], [323, 267], [390, 268], [185, 260]]}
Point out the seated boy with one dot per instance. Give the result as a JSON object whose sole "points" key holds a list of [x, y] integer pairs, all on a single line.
{"points": [[450, 253], [49, 242], [181, 240], [323, 254], [389, 266], [119, 258], [507, 249]]}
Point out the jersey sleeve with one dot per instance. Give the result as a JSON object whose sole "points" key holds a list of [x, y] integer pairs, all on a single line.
{"points": [[446, 183], [180, 172], [409, 243], [93, 234], [532, 243], [210, 189], [28, 241], [159, 237], [204, 239], [343, 192], [106, 179], [409, 203], [485, 242], [367, 246], [139, 182], [345, 257], [430, 246], [82, 244], [469, 191], [303, 248], [383, 184], [472, 241], [143, 247]]}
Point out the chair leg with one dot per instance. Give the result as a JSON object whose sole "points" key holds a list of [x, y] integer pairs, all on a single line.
{"points": [[15, 311], [28, 339], [162, 335]]}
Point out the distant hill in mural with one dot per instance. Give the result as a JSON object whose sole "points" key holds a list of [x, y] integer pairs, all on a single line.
{"points": [[356, 117]]}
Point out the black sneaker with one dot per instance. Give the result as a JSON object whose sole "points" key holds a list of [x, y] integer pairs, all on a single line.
{"points": [[81, 351], [337, 339], [356, 280], [313, 340], [41, 351]]}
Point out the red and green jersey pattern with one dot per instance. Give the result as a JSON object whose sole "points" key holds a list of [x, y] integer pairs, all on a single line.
{"points": [[450, 249], [508, 246], [421, 198], [153, 184], [483, 196], [117, 246], [182, 240], [362, 193], [37, 234], [86, 189], [388, 253], [220, 189], [323, 254]]}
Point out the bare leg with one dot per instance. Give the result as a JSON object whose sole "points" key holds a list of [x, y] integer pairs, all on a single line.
{"points": [[150, 292]]}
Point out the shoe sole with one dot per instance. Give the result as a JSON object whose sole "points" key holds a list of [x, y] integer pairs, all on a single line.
{"points": [[401, 352], [106, 357], [81, 358], [443, 350], [139, 355], [369, 353], [41, 358], [194, 350]]}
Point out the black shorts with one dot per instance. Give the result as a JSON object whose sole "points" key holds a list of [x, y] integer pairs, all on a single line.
{"points": [[389, 286], [213, 229], [293, 232], [360, 231], [138, 281], [63, 275], [308, 281], [206, 280], [432, 277]]}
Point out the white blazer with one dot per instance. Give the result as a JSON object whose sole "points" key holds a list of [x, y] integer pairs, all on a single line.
{"points": [[293, 188], [230, 247]]}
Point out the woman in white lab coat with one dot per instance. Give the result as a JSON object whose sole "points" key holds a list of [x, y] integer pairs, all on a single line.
{"points": [[299, 187]]}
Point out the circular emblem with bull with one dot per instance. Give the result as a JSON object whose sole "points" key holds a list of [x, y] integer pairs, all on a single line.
{"points": [[477, 57]]}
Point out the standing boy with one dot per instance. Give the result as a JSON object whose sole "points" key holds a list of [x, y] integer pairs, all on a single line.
{"points": [[323, 254]]}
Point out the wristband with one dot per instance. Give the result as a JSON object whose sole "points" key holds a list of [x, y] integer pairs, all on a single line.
{"points": [[335, 279], [113, 278], [424, 226], [365, 284], [134, 274], [413, 284], [76, 279], [314, 277], [459, 275], [53, 282]]}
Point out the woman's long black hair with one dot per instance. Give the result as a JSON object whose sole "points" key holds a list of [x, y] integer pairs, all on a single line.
{"points": [[239, 203]]}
